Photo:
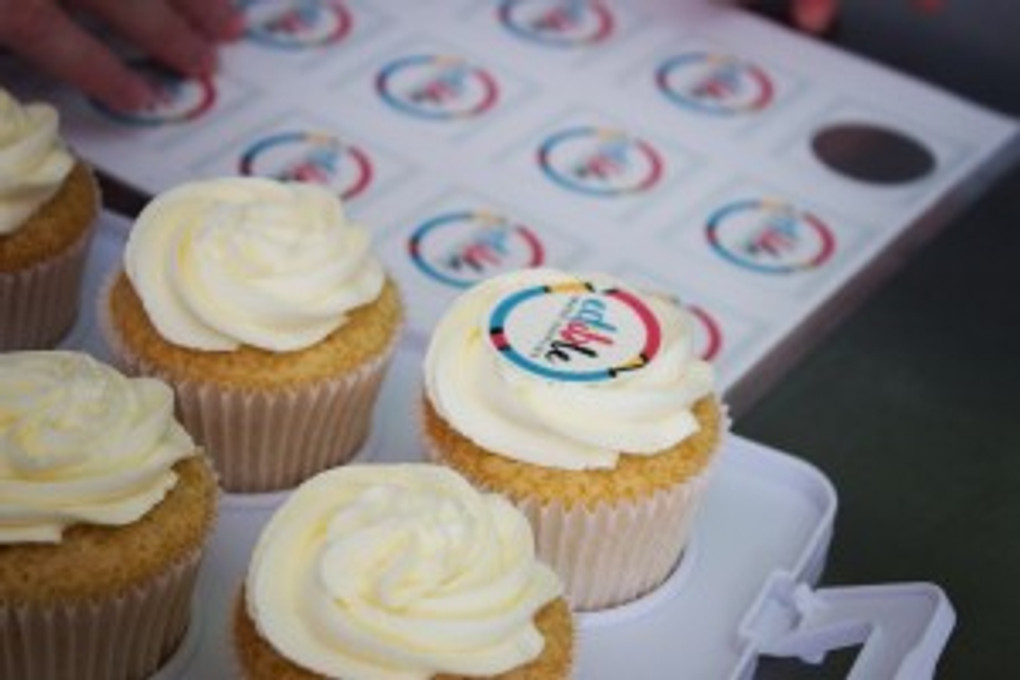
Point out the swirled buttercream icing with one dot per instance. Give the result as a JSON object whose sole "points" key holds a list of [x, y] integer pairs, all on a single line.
{"points": [[81, 443], [33, 159], [398, 572], [245, 260], [565, 372]]}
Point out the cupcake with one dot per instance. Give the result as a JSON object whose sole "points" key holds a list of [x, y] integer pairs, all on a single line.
{"points": [[399, 571], [581, 401], [266, 311], [48, 206], [106, 507]]}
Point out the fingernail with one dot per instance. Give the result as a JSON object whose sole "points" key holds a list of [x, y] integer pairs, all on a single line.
{"points": [[134, 96], [813, 17]]}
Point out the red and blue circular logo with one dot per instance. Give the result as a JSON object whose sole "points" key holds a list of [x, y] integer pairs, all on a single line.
{"points": [[600, 162], [574, 331], [712, 83], [462, 248], [178, 99], [707, 335], [437, 87], [771, 237], [310, 157], [557, 23], [297, 24]]}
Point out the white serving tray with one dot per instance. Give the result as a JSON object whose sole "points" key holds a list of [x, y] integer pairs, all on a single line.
{"points": [[744, 587]]}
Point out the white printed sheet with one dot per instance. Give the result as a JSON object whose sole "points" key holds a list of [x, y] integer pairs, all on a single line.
{"points": [[676, 144]]}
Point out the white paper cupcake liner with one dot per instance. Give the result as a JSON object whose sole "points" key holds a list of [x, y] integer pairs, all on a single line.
{"points": [[267, 440], [38, 305], [614, 553], [121, 637], [262, 441]]}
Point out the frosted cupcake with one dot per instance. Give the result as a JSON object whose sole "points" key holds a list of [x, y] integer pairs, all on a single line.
{"points": [[583, 403], [48, 206], [266, 311], [106, 507], [399, 571]]}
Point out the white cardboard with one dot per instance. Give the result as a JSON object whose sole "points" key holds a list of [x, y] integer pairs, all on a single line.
{"points": [[426, 184]]}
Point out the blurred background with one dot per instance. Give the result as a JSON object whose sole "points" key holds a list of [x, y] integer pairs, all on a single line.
{"points": [[910, 404]]}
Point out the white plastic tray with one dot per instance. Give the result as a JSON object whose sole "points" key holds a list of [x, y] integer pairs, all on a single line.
{"points": [[742, 589]]}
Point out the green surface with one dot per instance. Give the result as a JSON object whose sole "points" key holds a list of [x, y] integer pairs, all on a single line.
{"points": [[911, 404]]}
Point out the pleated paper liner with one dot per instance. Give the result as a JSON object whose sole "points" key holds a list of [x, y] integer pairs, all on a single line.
{"points": [[266, 440], [614, 552], [38, 305], [123, 636]]}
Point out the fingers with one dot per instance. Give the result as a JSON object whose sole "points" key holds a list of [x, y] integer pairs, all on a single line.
{"points": [[814, 16], [160, 31], [218, 20], [40, 32]]}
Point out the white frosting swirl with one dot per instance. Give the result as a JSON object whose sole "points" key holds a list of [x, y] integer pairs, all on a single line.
{"points": [[398, 572], [553, 423], [245, 260], [33, 159], [79, 442]]}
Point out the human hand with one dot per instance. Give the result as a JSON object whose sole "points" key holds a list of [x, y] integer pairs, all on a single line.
{"points": [[814, 16], [182, 34], [818, 16]]}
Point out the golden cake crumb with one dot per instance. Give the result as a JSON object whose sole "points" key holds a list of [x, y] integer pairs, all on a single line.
{"points": [[94, 560], [56, 225], [368, 332], [260, 661], [633, 477]]}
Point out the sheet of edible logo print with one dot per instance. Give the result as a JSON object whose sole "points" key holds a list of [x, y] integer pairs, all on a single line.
{"points": [[686, 146]]}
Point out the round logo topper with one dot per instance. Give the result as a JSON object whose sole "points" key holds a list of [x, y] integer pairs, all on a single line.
{"points": [[557, 23], [438, 87], [574, 331], [317, 158], [600, 162], [297, 24], [462, 248]]}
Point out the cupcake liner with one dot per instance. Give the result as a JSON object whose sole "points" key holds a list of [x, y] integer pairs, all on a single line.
{"points": [[613, 553], [267, 440], [263, 441], [38, 305], [119, 637]]}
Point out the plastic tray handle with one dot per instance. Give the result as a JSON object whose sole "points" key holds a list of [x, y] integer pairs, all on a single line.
{"points": [[903, 627]]}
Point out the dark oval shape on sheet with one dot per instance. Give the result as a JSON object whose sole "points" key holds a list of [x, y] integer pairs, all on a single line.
{"points": [[872, 153]]}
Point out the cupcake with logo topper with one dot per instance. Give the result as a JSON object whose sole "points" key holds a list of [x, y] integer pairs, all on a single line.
{"points": [[582, 402], [48, 206], [106, 508], [264, 308], [399, 571]]}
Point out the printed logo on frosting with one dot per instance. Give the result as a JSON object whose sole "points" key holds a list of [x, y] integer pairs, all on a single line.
{"points": [[769, 236], [600, 162], [296, 24], [557, 23], [713, 83], [437, 87], [309, 157], [462, 248], [574, 331], [178, 99]]}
